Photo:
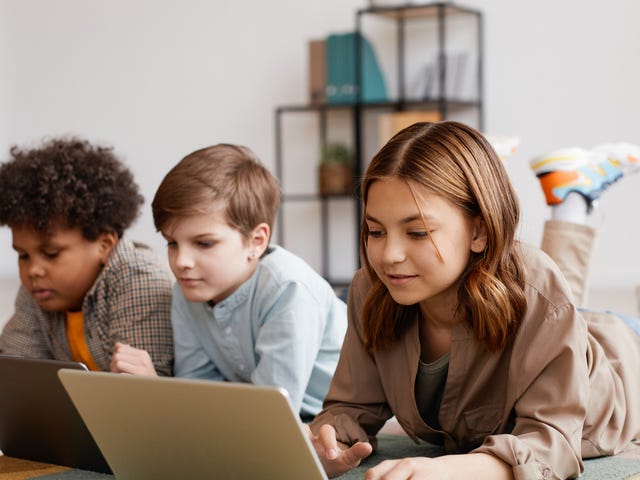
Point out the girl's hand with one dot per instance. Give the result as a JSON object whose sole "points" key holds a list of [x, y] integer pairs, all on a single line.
{"points": [[336, 457], [414, 468], [479, 466], [127, 359]]}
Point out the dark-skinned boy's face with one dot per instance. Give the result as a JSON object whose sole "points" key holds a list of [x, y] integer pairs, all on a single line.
{"points": [[59, 268]]}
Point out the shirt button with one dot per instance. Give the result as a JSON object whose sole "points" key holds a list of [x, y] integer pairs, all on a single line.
{"points": [[546, 472]]}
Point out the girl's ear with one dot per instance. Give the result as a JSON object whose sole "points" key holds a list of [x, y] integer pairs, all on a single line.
{"points": [[479, 239], [259, 240], [106, 244]]}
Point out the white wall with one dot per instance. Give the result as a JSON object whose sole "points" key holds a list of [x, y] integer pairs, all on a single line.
{"points": [[158, 79], [562, 74]]}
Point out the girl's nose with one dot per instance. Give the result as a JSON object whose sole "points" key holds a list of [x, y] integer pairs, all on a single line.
{"points": [[393, 251]]}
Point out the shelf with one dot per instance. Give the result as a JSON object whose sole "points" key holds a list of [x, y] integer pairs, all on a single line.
{"points": [[410, 11], [362, 115], [431, 104]]}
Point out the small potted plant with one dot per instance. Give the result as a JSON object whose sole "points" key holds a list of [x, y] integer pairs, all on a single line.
{"points": [[336, 169]]}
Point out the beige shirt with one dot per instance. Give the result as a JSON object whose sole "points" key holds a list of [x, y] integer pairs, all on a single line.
{"points": [[566, 387]]}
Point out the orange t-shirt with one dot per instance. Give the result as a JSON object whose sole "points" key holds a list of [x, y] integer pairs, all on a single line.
{"points": [[77, 342]]}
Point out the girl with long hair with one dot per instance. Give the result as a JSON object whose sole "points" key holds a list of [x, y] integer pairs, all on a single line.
{"points": [[468, 337]]}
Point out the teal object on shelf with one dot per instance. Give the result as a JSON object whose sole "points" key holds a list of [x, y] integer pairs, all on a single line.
{"points": [[341, 85]]}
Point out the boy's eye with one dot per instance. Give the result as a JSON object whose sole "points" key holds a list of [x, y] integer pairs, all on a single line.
{"points": [[50, 255], [171, 244], [205, 244], [23, 256]]}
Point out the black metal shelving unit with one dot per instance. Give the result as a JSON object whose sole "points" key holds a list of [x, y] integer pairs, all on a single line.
{"points": [[441, 102]]}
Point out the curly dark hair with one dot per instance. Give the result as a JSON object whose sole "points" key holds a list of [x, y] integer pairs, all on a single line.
{"points": [[68, 180]]}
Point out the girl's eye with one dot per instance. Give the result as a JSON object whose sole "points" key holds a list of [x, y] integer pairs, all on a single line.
{"points": [[202, 244], [171, 244], [50, 255], [419, 234], [375, 233], [23, 257]]}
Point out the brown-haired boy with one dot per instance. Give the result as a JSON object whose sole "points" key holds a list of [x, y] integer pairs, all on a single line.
{"points": [[243, 310]]}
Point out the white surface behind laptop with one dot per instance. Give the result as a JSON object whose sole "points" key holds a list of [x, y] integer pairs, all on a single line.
{"points": [[168, 428]]}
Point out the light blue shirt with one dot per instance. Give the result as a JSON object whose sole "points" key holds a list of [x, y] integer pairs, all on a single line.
{"points": [[284, 326]]}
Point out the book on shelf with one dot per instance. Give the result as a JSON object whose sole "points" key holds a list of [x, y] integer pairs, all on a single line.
{"points": [[317, 72], [332, 70], [391, 123], [426, 83]]}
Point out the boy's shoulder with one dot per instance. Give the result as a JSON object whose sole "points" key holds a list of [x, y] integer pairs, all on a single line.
{"points": [[282, 267], [282, 263], [130, 257], [128, 250]]}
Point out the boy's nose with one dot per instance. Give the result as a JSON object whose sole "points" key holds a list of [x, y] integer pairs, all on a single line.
{"points": [[183, 259], [35, 269]]}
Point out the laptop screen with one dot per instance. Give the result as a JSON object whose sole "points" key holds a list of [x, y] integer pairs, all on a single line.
{"points": [[37, 418]]}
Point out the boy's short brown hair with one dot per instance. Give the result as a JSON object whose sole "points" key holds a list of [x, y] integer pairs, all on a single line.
{"points": [[221, 177]]}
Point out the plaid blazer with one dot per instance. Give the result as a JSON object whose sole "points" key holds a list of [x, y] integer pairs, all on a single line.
{"points": [[129, 302]]}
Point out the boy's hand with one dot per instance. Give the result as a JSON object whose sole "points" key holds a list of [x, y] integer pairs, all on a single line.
{"points": [[336, 457], [127, 359]]}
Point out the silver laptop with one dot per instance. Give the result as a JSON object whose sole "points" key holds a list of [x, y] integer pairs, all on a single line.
{"points": [[37, 419], [168, 428]]}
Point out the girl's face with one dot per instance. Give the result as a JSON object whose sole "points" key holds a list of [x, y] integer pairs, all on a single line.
{"points": [[60, 267], [209, 258], [414, 267]]}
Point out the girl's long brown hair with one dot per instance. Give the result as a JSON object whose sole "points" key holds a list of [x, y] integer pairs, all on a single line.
{"points": [[456, 162]]}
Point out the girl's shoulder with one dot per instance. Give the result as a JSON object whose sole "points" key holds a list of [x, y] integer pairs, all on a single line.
{"points": [[543, 277], [550, 306]]}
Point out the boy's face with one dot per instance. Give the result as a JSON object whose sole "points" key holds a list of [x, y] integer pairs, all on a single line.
{"points": [[59, 268], [209, 258]]}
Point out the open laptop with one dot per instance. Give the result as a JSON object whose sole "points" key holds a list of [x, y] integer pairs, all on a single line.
{"points": [[38, 420], [168, 428]]}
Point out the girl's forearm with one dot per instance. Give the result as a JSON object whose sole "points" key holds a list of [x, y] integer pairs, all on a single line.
{"points": [[478, 466]]}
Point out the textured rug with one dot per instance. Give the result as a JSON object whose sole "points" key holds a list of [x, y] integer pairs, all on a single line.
{"points": [[625, 466]]}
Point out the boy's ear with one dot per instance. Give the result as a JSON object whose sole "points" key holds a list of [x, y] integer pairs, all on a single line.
{"points": [[106, 244], [259, 240], [479, 239]]}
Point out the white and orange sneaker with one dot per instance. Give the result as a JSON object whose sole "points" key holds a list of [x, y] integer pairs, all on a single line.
{"points": [[587, 172], [504, 145], [623, 155]]}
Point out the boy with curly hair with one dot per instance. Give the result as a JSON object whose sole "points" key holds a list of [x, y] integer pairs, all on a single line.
{"points": [[88, 293]]}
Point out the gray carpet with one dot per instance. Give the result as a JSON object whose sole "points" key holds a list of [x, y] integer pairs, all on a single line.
{"points": [[393, 446]]}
